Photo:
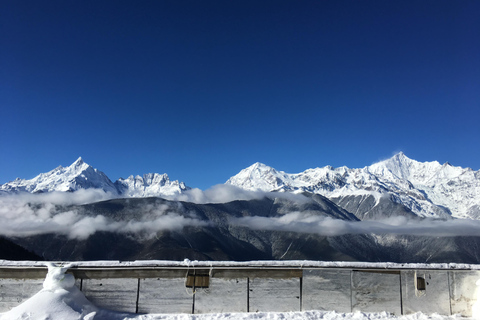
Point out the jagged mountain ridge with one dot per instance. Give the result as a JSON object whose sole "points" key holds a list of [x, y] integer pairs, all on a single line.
{"points": [[396, 186], [427, 189], [80, 175]]}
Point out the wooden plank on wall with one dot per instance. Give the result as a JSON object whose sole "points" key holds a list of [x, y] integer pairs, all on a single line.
{"points": [[23, 273], [110, 273], [15, 291], [113, 294], [434, 299], [164, 296], [222, 295], [274, 295], [376, 292], [328, 290]]}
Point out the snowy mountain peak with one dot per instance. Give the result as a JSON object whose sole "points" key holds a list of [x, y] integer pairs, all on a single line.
{"points": [[80, 175], [79, 162], [399, 164], [258, 176], [149, 185], [258, 167], [426, 188]]}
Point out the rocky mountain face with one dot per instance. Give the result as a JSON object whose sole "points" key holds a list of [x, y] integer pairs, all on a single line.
{"points": [[399, 184], [80, 175]]}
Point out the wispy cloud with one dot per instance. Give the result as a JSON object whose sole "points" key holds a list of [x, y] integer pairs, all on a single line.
{"points": [[307, 223], [24, 215], [223, 193]]}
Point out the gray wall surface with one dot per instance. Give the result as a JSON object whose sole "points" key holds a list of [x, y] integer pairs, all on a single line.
{"points": [[223, 295], [15, 291], [374, 291], [463, 291], [255, 290], [327, 290], [434, 299], [114, 294], [160, 295]]}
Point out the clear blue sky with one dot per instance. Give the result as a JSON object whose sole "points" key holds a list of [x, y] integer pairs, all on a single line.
{"points": [[203, 89]]}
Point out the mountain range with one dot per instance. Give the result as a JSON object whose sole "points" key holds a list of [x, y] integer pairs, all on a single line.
{"points": [[80, 175], [426, 189], [279, 216], [396, 186]]}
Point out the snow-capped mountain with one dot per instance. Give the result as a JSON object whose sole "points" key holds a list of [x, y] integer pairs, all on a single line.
{"points": [[80, 175], [455, 188], [150, 185], [427, 189]]}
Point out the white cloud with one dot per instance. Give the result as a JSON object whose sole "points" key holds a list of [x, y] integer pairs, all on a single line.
{"points": [[326, 226], [222, 193], [31, 214], [24, 215]]}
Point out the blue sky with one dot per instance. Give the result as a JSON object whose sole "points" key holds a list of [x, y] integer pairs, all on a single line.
{"points": [[203, 89]]}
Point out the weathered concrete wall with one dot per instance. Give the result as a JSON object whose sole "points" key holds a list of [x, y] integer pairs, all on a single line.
{"points": [[160, 295], [114, 294], [375, 291], [434, 298], [463, 291], [15, 291], [325, 289], [281, 295], [176, 290], [223, 295]]}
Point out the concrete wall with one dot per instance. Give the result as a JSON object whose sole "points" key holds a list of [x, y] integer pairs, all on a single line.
{"points": [[138, 290], [374, 291], [325, 289], [463, 291]]}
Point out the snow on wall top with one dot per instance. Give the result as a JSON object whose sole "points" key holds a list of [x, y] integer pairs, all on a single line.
{"points": [[287, 264]]}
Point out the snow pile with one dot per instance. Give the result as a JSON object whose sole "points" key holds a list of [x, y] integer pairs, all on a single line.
{"points": [[59, 299]]}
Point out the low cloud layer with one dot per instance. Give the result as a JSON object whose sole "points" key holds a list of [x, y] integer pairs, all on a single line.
{"points": [[23, 215], [223, 193], [306, 223], [26, 214]]}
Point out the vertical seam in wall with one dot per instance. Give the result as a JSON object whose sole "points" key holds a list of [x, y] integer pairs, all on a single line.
{"points": [[194, 292], [138, 296], [81, 284], [301, 291], [401, 294], [449, 291], [351, 290], [248, 294]]}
